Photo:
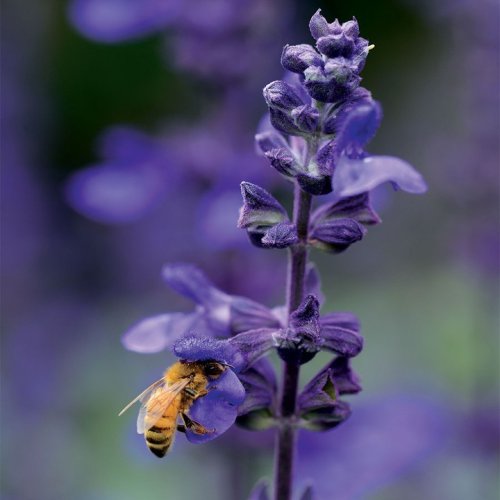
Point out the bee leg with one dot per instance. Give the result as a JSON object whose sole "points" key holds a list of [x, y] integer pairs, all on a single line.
{"points": [[200, 394], [181, 428], [194, 426]]}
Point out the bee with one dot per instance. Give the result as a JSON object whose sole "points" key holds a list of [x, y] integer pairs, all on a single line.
{"points": [[170, 397]]}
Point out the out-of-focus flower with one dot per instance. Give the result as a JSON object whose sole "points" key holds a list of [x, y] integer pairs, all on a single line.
{"points": [[130, 181], [380, 441], [217, 30]]}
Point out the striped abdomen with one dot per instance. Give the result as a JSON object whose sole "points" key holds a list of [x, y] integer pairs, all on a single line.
{"points": [[160, 436]]}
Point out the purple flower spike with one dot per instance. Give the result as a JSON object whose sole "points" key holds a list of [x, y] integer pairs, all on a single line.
{"points": [[356, 176], [336, 235], [114, 21], [158, 332], [217, 411]]}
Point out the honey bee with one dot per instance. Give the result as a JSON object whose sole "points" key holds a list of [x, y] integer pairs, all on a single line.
{"points": [[170, 397]]}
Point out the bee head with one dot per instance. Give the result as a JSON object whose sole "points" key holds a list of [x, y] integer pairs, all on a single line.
{"points": [[213, 369]]}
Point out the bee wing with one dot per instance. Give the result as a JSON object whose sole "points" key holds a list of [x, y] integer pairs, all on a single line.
{"points": [[143, 395], [153, 409]]}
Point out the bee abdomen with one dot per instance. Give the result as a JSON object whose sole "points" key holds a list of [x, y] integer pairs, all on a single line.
{"points": [[159, 440]]}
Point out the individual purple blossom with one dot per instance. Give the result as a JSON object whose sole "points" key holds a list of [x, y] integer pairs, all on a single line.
{"points": [[218, 410], [217, 31], [307, 333], [132, 178], [221, 315], [118, 20], [216, 313]]}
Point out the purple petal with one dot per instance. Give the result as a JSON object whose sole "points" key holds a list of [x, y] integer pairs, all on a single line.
{"points": [[193, 348], [250, 346], [318, 25], [355, 207], [116, 193], [312, 284], [359, 126], [345, 379], [113, 21], [259, 208], [340, 319], [304, 320], [217, 410], [191, 282], [158, 332], [320, 391], [246, 314], [341, 340], [353, 177]]}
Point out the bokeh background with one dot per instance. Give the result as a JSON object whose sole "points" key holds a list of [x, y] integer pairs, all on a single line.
{"points": [[161, 100]]}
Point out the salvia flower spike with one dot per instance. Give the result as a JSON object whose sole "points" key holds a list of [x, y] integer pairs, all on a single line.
{"points": [[319, 124]]}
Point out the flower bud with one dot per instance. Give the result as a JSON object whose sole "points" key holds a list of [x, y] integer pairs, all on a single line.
{"points": [[336, 45], [351, 28], [260, 212], [281, 95], [296, 58], [335, 82], [354, 207], [259, 208], [306, 118], [280, 236], [283, 161], [336, 235], [268, 140], [319, 26], [325, 418], [301, 341]]}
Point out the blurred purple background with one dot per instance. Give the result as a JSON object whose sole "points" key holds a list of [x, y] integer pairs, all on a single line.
{"points": [[127, 126]]}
